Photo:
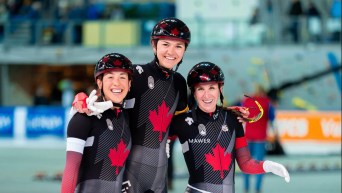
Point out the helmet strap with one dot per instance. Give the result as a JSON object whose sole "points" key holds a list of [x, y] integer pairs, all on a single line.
{"points": [[191, 100], [178, 64], [221, 97], [167, 72]]}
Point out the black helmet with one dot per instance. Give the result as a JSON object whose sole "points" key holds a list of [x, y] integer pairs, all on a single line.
{"points": [[113, 61], [171, 28], [205, 72]]}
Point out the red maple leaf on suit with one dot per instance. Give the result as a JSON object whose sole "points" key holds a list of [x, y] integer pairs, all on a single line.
{"points": [[118, 156], [160, 119], [219, 161]]}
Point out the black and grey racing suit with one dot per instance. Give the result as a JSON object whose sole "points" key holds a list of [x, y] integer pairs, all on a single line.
{"points": [[209, 144], [158, 95]]}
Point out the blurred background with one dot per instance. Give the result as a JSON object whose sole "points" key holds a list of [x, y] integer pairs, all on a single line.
{"points": [[292, 48]]}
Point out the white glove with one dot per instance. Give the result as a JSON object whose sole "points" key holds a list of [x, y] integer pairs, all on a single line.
{"points": [[97, 108], [168, 148], [277, 169]]}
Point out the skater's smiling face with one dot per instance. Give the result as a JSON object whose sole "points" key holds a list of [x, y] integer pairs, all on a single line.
{"points": [[207, 95], [115, 85], [169, 52]]}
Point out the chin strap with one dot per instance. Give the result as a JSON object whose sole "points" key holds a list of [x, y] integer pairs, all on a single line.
{"points": [[178, 64], [167, 72]]}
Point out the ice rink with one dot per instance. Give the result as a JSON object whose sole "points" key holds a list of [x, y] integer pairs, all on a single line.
{"points": [[19, 167]]}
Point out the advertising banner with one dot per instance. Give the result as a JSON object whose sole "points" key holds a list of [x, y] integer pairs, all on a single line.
{"points": [[6, 122], [322, 127], [45, 121]]}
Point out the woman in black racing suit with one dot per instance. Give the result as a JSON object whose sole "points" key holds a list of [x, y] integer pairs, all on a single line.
{"points": [[212, 138], [97, 147]]}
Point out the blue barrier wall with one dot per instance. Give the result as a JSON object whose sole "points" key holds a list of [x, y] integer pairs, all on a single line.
{"points": [[27, 123]]}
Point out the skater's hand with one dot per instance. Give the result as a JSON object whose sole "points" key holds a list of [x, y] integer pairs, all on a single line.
{"points": [[84, 104], [79, 104], [277, 169], [241, 112]]}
